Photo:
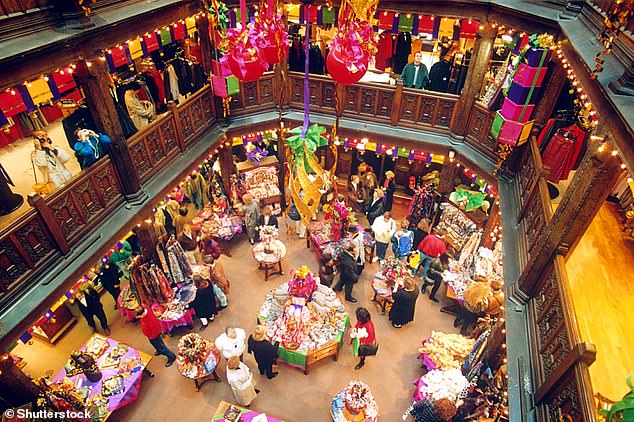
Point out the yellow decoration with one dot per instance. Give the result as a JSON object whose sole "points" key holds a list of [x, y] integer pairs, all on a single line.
{"points": [[302, 272], [39, 91], [135, 49], [363, 9]]}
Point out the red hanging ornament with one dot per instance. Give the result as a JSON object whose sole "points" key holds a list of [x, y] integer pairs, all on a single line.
{"points": [[345, 66], [246, 64]]}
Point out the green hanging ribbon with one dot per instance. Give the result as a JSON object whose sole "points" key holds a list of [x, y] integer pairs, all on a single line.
{"points": [[222, 20], [307, 145]]}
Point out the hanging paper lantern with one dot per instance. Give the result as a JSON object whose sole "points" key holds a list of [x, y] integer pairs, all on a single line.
{"points": [[246, 65], [345, 67]]}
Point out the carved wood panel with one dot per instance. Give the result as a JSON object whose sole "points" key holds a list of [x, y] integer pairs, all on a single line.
{"points": [[236, 100], [351, 102], [186, 123], [140, 158], [196, 113], [477, 123], [565, 402], [155, 146], [409, 104], [168, 133], [426, 110], [535, 222], [384, 106], [35, 240], [368, 100], [314, 93], [208, 108], [328, 94], [108, 184], [297, 91], [266, 91], [250, 93], [87, 199], [444, 113], [67, 215], [527, 175], [12, 265]]}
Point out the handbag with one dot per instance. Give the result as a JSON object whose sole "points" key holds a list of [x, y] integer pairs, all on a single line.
{"points": [[43, 188], [368, 349]]}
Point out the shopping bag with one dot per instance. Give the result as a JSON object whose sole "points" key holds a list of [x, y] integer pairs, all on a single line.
{"points": [[368, 349], [43, 189]]}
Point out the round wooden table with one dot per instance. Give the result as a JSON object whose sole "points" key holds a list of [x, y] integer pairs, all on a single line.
{"points": [[269, 256]]}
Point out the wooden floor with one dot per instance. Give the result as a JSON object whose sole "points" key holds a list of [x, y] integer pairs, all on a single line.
{"points": [[601, 274]]}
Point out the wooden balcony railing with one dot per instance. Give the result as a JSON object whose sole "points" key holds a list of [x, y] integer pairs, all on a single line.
{"points": [[560, 360], [254, 96], [9, 7], [479, 131]]}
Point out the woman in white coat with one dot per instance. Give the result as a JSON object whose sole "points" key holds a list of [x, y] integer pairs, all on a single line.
{"points": [[49, 159], [141, 112], [240, 378]]}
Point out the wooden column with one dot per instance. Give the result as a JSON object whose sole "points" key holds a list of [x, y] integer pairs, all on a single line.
{"points": [[225, 159], [95, 83], [478, 67], [448, 174], [53, 226], [281, 155], [550, 93], [177, 125], [396, 103], [492, 222], [582, 200], [205, 42]]}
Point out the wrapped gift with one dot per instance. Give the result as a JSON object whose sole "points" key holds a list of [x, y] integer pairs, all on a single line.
{"points": [[510, 132], [534, 56], [518, 112], [225, 86], [520, 94], [220, 67], [530, 75]]}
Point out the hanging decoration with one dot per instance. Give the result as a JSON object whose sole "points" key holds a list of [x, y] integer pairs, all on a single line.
{"points": [[618, 17], [245, 58], [272, 38], [512, 123], [355, 42]]}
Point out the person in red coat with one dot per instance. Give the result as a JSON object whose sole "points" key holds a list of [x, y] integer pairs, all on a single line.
{"points": [[430, 248], [364, 331], [151, 328]]}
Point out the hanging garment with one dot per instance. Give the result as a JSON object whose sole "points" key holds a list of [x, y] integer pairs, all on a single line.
{"points": [[170, 82], [183, 73], [403, 49], [422, 205], [296, 57], [127, 125], [315, 60], [562, 152], [439, 76], [198, 77], [160, 85], [385, 52]]}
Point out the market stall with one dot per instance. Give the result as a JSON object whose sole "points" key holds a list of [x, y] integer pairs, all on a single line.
{"points": [[269, 252], [354, 403], [388, 280], [306, 318], [261, 180], [319, 235], [219, 221], [227, 412], [121, 368], [197, 359]]}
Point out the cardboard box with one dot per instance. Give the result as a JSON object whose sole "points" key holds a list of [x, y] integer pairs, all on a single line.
{"points": [[525, 75], [510, 132], [517, 112]]}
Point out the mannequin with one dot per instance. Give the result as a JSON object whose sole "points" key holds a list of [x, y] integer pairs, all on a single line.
{"points": [[9, 201], [90, 146]]}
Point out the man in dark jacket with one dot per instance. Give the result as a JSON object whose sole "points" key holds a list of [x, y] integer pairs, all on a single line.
{"points": [[374, 208], [348, 272], [110, 279], [90, 307]]}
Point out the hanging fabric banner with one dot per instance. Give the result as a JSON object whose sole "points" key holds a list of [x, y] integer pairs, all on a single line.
{"points": [[403, 152], [190, 24], [469, 28], [24, 93], [386, 20], [456, 30], [405, 22], [3, 120], [312, 14], [39, 91], [63, 80], [445, 28], [415, 23], [11, 103], [328, 15], [179, 30], [370, 146], [426, 24], [53, 87], [135, 49], [166, 36]]}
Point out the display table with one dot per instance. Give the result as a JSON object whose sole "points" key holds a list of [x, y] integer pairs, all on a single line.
{"points": [[131, 376], [187, 319], [246, 415], [219, 222], [317, 235], [127, 303], [270, 255], [382, 292], [340, 413]]}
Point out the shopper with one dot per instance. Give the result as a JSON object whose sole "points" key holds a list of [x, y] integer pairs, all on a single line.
{"points": [[251, 213], [402, 311], [434, 277], [327, 269], [49, 159], [208, 246], [110, 279], [422, 229], [264, 351], [415, 74], [430, 248], [370, 183], [204, 303], [232, 342], [240, 378], [374, 208], [383, 228], [189, 242], [348, 275], [219, 281], [90, 306], [428, 410], [293, 214], [267, 218], [356, 194], [402, 241], [151, 328], [356, 237], [364, 331], [389, 186]]}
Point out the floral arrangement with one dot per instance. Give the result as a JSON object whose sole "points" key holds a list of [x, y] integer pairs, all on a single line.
{"points": [[358, 398], [339, 218], [303, 283], [196, 356], [437, 384], [255, 153], [447, 351], [268, 233], [394, 272]]}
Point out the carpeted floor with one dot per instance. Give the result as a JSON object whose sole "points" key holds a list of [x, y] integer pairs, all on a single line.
{"points": [[291, 396]]}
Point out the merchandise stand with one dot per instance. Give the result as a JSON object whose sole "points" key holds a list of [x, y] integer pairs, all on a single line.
{"points": [[246, 415]]}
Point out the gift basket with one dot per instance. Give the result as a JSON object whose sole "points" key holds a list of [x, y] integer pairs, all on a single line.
{"points": [[355, 403], [197, 356]]}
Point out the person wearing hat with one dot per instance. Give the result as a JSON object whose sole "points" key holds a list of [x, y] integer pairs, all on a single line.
{"points": [[389, 186], [240, 379], [264, 351]]}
